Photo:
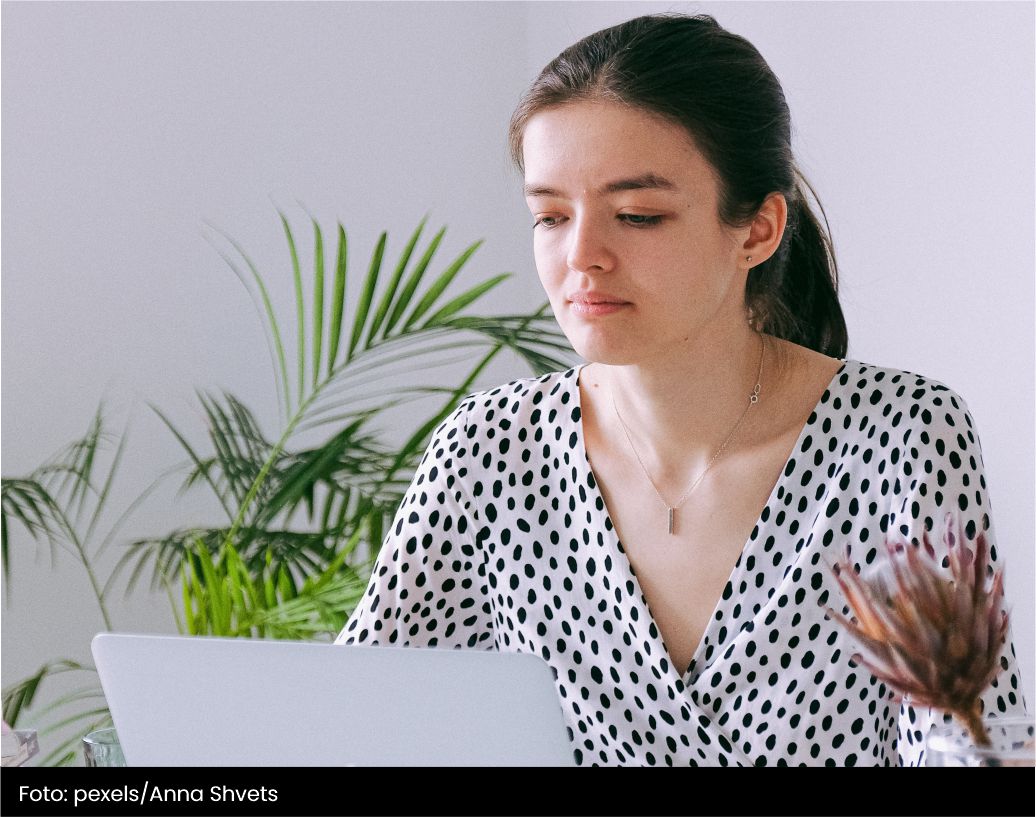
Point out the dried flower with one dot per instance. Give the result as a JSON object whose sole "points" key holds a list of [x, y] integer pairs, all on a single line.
{"points": [[927, 636]]}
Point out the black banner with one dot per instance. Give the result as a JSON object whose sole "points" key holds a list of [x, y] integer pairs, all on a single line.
{"points": [[315, 792]]}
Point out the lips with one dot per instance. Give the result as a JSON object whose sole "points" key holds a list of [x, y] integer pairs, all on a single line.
{"points": [[596, 303], [584, 296]]}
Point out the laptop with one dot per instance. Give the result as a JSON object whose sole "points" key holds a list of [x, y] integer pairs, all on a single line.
{"points": [[202, 701]]}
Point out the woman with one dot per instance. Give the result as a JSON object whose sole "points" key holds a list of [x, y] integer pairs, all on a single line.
{"points": [[656, 524]]}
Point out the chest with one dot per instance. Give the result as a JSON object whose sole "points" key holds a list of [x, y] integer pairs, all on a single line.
{"points": [[683, 574]]}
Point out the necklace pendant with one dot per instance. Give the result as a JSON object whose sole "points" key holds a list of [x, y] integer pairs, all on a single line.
{"points": [[670, 519]]}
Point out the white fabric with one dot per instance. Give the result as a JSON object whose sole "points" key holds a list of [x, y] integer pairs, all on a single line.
{"points": [[503, 541]]}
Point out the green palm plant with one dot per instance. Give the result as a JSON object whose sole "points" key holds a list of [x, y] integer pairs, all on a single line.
{"points": [[222, 596], [266, 573], [346, 375]]}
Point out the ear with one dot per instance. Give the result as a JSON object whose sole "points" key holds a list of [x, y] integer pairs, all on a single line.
{"points": [[765, 231]]}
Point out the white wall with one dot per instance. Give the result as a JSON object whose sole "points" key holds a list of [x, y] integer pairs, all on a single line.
{"points": [[127, 125]]}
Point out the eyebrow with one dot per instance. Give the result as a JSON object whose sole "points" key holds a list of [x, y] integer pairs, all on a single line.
{"points": [[646, 181]]}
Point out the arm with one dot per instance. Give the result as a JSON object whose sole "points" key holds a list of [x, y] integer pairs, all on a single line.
{"points": [[426, 588], [942, 472]]}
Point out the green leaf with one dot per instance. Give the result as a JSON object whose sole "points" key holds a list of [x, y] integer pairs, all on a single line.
{"points": [[103, 496], [318, 302], [270, 591], [271, 316], [403, 301], [247, 429], [235, 597], [338, 302], [286, 585], [417, 439], [235, 466], [342, 513], [300, 313], [29, 502], [212, 586], [369, 285], [76, 474], [309, 498], [464, 300], [5, 555], [375, 528], [440, 285], [330, 499], [390, 291], [303, 473], [22, 694], [190, 621]]}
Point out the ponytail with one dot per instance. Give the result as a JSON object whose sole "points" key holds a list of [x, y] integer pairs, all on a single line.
{"points": [[794, 294]]}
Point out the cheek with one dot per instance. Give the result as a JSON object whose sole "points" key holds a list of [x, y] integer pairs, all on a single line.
{"points": [[550, 269]]}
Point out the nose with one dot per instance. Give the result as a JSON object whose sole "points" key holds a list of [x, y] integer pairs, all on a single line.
{"points": [[588, 247]]}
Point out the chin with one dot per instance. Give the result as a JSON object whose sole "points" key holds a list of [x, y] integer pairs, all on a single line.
{"points": [[609, 351]]}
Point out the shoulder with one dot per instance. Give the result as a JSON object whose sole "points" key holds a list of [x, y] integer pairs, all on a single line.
{"points": [[529, 400], [503, 410], [907, 425], [881, 392], [529, 420], [919, 442]]}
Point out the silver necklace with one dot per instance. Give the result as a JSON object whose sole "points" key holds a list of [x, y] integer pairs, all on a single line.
{"points": [[753, 398]]}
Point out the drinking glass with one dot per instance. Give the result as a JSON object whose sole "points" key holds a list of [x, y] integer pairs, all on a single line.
{"points": [[1011, 742], [101, 748]]}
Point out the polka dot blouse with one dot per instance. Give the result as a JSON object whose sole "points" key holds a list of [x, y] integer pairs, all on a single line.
{"points": [[503, 541]]}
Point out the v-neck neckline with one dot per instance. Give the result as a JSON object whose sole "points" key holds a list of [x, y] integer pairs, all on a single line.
{"points": [[684, 676]]}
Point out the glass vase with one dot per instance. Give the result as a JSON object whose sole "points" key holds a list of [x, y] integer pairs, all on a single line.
{"points": [[1011, 744], [101, 748]]}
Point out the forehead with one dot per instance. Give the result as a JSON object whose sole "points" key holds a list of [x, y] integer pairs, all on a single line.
{"points": [[593, 142]]}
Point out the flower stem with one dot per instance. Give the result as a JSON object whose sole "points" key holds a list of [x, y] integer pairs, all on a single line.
{"points": [[973, 722]]}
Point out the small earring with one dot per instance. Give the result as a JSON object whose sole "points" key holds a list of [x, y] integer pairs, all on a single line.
{"points": [[749, 258]]}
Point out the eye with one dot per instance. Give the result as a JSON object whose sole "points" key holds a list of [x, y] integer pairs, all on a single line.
{"points": [[547, 221], [636, 220]]}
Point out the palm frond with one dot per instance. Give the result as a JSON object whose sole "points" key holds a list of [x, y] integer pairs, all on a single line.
{"points": [[202, 469], [393, 285], [300, 309], [105, 491], [30, 503], [21, 695], [410, 287], [54, 498], [370, 284], [318, 300], [274, 338], [440, 285], [462, 301], [337, 301]]}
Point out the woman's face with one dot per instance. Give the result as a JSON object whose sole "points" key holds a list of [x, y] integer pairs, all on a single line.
{"points": [[627, 236]]}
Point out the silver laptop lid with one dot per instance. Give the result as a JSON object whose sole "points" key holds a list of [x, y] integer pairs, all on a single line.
{"points": [[198, 701]]}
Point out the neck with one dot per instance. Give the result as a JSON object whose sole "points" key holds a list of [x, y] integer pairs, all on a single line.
{"points": [[681, 408]]}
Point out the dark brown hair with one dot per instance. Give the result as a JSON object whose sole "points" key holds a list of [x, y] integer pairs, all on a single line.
{"points": [[718, 87]]}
